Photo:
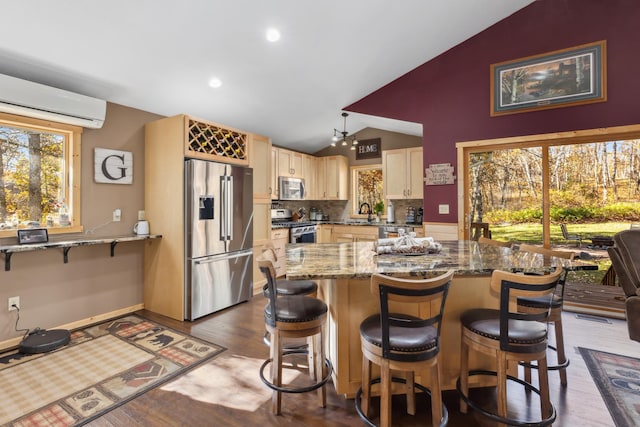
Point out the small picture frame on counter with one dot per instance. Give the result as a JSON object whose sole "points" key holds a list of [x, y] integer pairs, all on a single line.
{"points": [[33, 235]]}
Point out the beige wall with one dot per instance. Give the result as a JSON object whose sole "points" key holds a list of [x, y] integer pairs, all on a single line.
{"points": [[92, 283]]}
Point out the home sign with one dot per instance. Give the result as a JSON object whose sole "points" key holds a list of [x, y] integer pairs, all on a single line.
{"points": [[113, 166], [368, 149]]}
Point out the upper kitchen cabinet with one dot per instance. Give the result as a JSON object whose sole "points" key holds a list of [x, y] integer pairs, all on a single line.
{"points": [[209, 141], [273, 178], [260, 149], [332, 178], [402, 173], [289, 163], [309, 175]]}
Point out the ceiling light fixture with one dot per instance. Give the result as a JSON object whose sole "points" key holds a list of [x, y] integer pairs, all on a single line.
{"points": [[337, 135], [215, 82], [273, 35]]}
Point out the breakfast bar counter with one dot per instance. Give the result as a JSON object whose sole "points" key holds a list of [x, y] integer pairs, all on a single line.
{"points": [[343, 272]]}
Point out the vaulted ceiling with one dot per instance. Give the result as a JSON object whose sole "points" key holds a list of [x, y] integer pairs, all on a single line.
{"points": [[160, 55]]}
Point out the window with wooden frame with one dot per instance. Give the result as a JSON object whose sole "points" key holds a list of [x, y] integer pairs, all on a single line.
{"points": [[39, 175], [366, 190], [600, 158]]}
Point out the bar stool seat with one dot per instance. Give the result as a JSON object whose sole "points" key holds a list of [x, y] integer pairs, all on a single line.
{"points": [[509, 336], [288, 287], [296, 309], [403, 342], [297, 316]]}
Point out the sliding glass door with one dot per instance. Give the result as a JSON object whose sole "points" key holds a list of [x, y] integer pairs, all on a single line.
{"points": [[525, 188], [505, 188]]}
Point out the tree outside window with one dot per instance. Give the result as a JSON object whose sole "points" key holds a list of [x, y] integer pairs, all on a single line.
{"points": [[35, 181], [367, 189]]}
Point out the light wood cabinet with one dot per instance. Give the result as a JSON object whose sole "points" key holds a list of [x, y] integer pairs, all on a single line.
{"points": [[168, 142], [402, 173], [323, 233], [273, 176], [309, 175], [289, 163], [260, 149], [354, 233], [279, 239], [332, 178]]}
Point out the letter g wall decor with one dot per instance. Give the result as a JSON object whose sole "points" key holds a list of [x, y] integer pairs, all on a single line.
{"points": [[113, 166]]}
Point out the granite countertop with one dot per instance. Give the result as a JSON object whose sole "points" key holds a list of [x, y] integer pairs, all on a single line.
{"points": [[350, 223], [359, 260], [67, 241], [372, 223]]}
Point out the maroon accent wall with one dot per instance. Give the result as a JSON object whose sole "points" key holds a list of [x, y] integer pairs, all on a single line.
{"points": [[450, 94]]}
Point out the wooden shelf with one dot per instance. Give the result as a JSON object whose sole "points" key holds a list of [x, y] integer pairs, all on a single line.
{"points": [[68, 243]]}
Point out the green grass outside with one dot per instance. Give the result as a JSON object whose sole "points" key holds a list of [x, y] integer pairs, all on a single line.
{"points": [[532, 233]]}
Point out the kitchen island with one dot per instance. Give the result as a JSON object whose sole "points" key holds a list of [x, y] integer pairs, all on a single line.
{"points": [[343, 272]]}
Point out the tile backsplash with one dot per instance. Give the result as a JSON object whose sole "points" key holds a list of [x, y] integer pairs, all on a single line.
{"points": [[339, 210]]}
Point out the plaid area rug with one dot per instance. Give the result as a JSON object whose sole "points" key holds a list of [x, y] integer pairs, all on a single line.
{"points": [[103, 366], [618, 380]]}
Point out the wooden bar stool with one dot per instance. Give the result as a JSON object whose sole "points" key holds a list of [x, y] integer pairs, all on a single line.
{"points": [[286, 287], [510, 336], [296, 316], [402, 342], [555, 301]]}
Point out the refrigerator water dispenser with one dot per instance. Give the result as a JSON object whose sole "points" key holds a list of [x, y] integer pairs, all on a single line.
{"points": [[206, 207]]}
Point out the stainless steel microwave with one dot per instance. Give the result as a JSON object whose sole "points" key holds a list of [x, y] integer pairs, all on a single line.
{"points": [[290, 188]]}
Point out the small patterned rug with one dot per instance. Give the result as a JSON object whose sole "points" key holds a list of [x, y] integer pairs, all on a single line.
{"points": [[618, 380], [103, 366]]}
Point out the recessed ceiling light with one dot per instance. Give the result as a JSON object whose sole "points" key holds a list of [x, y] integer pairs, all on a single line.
{"points": [[215, 82], [273, 35]]}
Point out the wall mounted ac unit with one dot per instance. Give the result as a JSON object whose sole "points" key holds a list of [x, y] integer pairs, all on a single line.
{"points": [[36, 100]]}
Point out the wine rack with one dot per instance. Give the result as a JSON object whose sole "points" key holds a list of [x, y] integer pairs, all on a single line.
{"points": [[207, 139]]}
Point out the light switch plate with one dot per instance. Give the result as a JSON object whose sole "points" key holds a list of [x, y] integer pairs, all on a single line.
{"points": [[443, 209]]}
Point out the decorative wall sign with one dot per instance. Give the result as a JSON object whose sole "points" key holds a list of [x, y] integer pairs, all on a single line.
{"points": [[439, 174], [369, 149], [113, 166], [562, 78]]}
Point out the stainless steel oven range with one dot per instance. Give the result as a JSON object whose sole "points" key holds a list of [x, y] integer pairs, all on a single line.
{"points": [[303, 233], [299, 231]]}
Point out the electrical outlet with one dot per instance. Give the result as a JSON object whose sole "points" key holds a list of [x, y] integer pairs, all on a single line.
{"points": [[117, 214], [14, 301]]}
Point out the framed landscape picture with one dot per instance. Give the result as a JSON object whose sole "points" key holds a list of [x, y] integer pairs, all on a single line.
{"points": [[562, 78]]}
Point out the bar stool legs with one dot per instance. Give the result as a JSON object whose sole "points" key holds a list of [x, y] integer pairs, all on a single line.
{"points": [[320, 369]]}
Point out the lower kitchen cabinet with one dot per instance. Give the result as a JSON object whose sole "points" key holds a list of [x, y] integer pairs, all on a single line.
{"points": [[280, 238], [354, 233]]}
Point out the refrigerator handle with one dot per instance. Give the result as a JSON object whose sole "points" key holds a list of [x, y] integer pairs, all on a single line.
{"points": [[223, 209], [230, 208]]}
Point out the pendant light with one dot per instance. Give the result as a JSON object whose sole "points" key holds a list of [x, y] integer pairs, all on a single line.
{"points": [[346, 140]]}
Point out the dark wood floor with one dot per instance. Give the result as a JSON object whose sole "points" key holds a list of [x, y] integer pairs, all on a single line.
{"points": [[240, 329]]}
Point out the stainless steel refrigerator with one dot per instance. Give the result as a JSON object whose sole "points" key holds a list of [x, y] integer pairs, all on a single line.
{"points": [[219, 236]]}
